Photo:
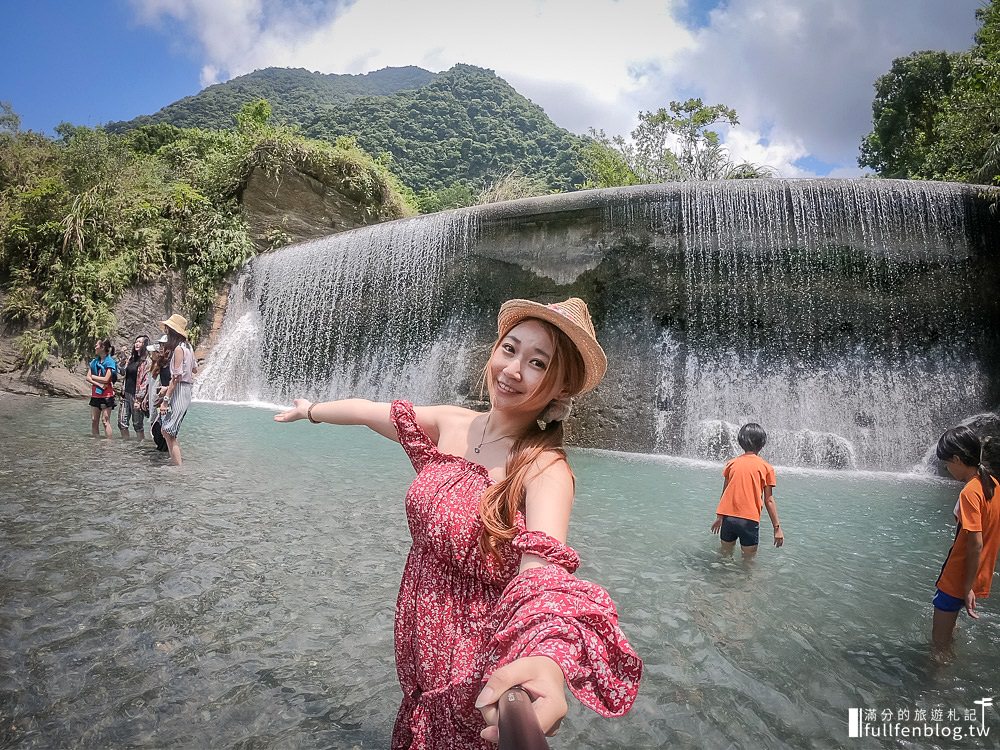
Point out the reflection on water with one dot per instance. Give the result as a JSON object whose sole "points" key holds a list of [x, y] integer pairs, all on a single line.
{"points": [[247, 600]]}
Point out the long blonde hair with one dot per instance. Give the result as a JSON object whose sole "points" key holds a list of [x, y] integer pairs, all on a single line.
{"points": [[500, 502]]}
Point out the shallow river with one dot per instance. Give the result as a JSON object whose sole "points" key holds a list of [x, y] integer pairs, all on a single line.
{"points": [[246, 601]]}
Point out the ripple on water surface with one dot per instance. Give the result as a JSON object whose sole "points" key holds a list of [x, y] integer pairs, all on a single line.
{"points": [[247, 600]]}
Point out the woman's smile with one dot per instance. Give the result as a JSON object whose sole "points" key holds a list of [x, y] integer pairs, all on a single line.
{"points": [[504, 388]]}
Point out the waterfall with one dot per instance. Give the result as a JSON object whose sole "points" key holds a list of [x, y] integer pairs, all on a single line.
{"points": [[360, 314], [854, 319]]}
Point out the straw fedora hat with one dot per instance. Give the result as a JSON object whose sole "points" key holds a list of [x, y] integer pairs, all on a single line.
{"points": [[572, 318], [176, 323]]}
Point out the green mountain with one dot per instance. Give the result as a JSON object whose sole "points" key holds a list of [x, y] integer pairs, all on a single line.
{"points": [[295, 95], [465, 126]]}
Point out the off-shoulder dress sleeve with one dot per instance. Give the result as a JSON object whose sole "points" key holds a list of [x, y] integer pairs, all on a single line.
{"points": [[418, 446], [547, 611]]}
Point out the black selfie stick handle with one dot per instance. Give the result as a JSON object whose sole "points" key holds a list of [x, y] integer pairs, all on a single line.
{"points": [[518, 725]]}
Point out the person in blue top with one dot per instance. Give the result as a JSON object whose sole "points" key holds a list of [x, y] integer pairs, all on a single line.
{"points": [[102, 393]]}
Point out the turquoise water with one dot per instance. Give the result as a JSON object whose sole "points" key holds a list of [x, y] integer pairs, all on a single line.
{"points": [[247, 599]]}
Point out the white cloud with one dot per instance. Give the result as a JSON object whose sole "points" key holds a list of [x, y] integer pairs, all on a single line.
{"points": [[209, 75], [595, 45], [777, 152], [809, 67], [801, 73]]}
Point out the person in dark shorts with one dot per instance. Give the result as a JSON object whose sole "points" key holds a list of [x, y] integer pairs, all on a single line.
{"points": [[136, 375], [100, 375], [967, 573], [749, 486]]}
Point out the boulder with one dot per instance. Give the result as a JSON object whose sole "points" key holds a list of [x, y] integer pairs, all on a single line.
{"points": [[292, 206]]}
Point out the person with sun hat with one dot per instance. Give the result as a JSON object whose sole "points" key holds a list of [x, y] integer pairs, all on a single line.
{"points": [[488, 598], [177, 397]]}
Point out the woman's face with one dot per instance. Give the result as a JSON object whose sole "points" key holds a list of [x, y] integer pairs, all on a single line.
{"points": [[518, 366], [139, 343], [98, 347]]}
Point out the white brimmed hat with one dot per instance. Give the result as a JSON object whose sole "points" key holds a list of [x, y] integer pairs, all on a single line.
{"points": [[572, 318]]}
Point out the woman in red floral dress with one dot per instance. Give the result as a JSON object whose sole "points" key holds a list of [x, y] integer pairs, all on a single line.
{"points": [[488, 598]]}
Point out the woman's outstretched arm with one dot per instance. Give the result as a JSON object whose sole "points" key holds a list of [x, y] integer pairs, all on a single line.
{"points": [[358, 411], [371, 414], [554, 629], [547, 508], [548, 502]]}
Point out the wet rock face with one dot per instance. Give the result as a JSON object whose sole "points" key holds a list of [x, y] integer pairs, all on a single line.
{"points": [[293, 206], [142, 308], [139, 312], [53, 380]]}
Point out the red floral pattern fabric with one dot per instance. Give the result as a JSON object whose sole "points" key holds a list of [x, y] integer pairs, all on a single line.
{"points": [[461, 614]]}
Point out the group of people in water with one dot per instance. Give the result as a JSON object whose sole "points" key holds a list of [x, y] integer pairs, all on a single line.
{"points": [[153, 381], [488, 600]]}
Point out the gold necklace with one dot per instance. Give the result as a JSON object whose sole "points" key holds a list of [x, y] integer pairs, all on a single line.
{"points": [[483, 441]]}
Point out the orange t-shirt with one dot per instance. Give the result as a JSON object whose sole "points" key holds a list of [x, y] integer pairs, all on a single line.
{"points": [[974, 514], [743, 497]]}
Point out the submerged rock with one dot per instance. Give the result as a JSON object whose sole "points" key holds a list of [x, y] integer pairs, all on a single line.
{"points": [[824, 450], [715, 440]]}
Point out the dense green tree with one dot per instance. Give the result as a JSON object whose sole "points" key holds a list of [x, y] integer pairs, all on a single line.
{"points": [[970, 116], [679, 144], [604, 162], [461, 128], [907, 106], [458, 195], [674, 144], [295, 94], [87, 214], [148, 139], [466, 127], [937, 115], [10, 121], [254, 116]]}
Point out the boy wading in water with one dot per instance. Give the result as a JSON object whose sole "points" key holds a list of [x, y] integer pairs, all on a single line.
{"points": [[749, 485]]}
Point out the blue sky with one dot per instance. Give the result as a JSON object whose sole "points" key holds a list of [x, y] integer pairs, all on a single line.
{"points": [[800, 74], [89, 62]]}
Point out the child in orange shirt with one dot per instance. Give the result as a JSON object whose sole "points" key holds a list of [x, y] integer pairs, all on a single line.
{"points": [[748, 486], [968, 570]]}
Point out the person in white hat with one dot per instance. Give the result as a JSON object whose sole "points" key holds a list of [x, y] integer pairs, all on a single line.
{"points": [[488, 600], [177, 397]]}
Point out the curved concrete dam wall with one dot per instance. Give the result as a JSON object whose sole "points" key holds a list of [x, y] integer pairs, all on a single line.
{"points": [[854, 319]]}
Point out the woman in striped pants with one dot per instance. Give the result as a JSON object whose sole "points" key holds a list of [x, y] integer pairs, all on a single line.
{"points": [[177, 398]]}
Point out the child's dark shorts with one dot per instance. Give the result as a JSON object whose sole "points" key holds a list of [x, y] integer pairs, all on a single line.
{"points": [[747, 531], [947, 602], [103, 403]]}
